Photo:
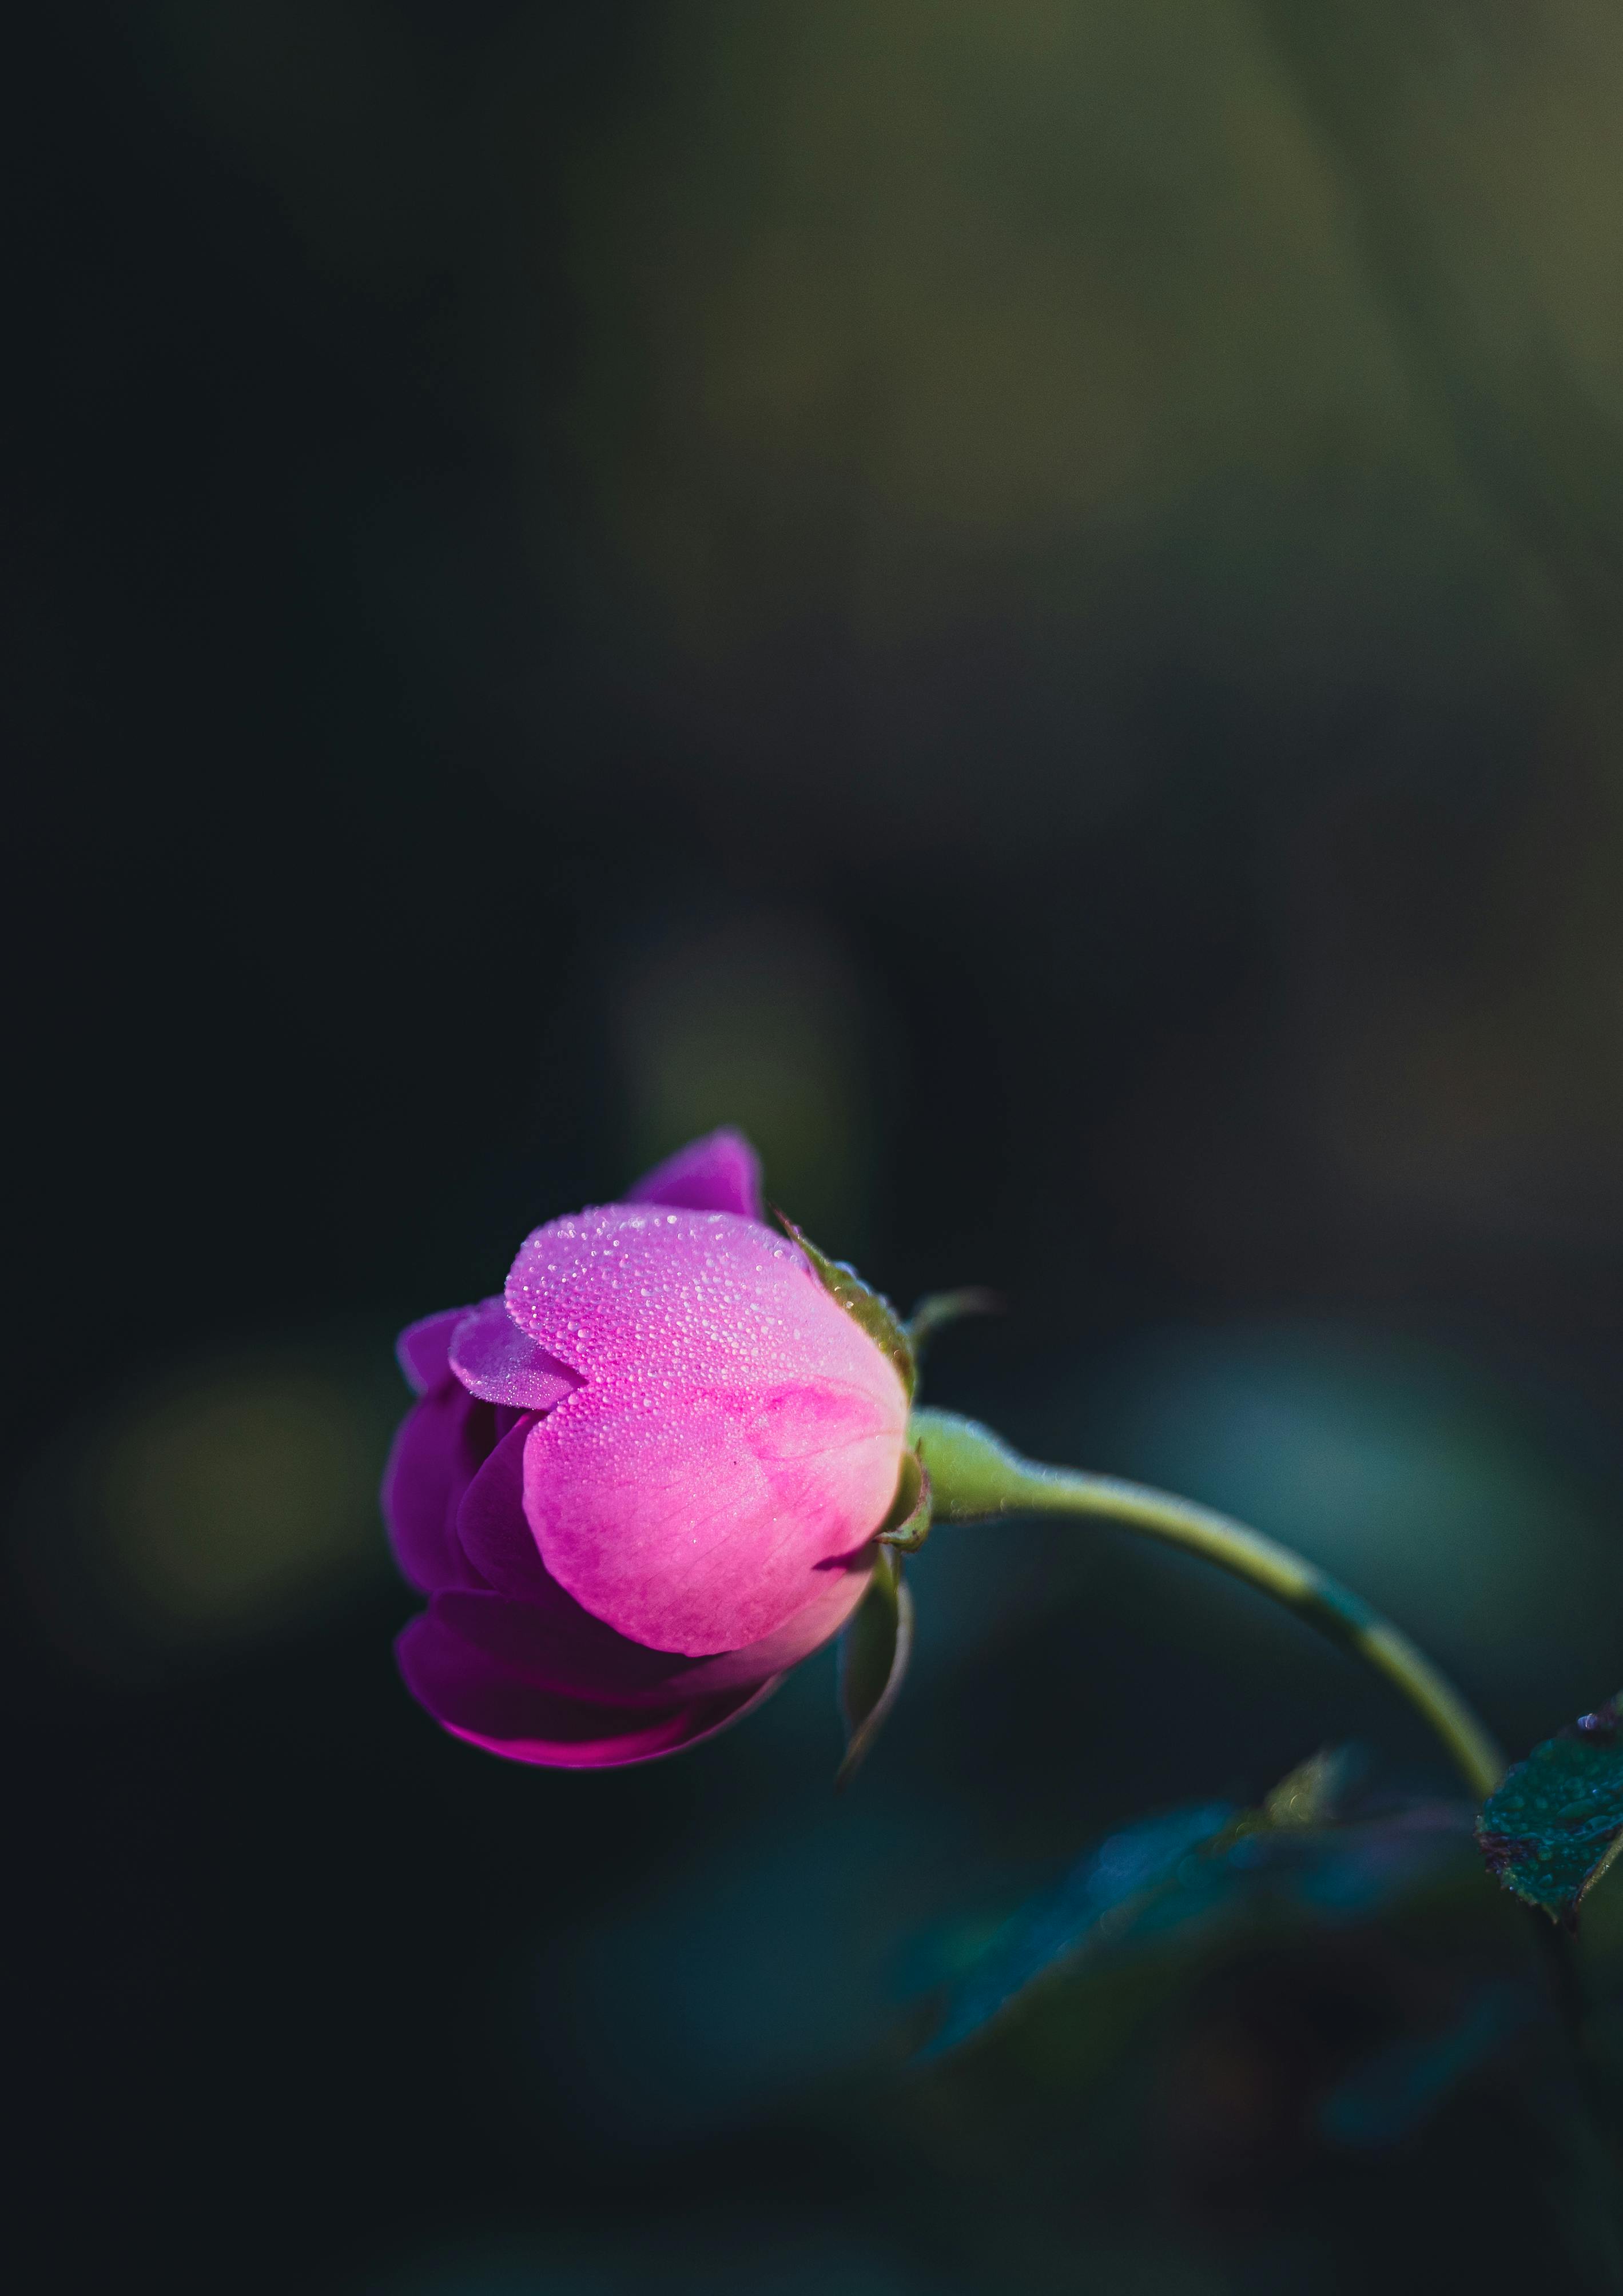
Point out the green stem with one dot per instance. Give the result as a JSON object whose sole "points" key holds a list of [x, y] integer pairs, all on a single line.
{"points": [[975, 1476]]}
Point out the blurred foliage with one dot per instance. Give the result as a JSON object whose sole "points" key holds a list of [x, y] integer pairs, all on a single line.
{"points": [[914, 282], [909, 322], [1477, 146], [1293, 2006], [935, 423], [1189, 1870], [760, 1019], [212, 1502], [1443, 1492]]}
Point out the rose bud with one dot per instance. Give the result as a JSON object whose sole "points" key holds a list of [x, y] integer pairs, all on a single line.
{"points": [[649, 1478]]}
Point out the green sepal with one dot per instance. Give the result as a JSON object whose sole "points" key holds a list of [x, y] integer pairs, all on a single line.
{"points": [[936, 1309], [1554, 1823], [874, 1650], [907, 1526], [869, 1308]]}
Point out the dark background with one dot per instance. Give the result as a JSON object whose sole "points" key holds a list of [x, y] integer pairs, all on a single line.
{"points": [[1024, 600]]}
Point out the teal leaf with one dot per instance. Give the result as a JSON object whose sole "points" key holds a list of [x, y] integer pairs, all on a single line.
{"points": [[1180, 1871], [1390, 2095], [874, 1651], [1096, 1904], [869, 1308], [1552, 1827]]}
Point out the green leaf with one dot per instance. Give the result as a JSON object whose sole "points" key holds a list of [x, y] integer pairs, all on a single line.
{"points": [[869, 1308], [1308, 1795], [1553, 1825], [874, 1652], [1162, 1874]]}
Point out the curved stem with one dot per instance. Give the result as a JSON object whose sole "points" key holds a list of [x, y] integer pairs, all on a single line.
{"points": [[976, 1476]]}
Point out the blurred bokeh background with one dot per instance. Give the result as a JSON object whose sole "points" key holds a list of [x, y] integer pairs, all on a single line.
{"points": [[1025, 600]]}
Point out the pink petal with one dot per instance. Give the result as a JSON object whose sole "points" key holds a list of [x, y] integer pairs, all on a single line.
{"points": [[440, 1446], [477, 1698], [738, 1432], [542, 1630], [701, 1523], [707, 1298], [720, 1173], [422, 1350], [565, 1650], [495, 1360]]}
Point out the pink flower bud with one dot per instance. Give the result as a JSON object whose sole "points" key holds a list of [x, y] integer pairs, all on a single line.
{"points": [[643, 1484]]}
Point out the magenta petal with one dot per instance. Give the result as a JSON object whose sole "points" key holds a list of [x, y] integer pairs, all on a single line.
{"points": [[479, 1699], [422, 1350], [557, 1645], [494, 1533], [440, 1446], [626, 1738], [720, 1173], [495, 1360]]}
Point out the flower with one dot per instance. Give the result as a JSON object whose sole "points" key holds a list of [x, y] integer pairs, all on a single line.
{"points": [[645, 1482]]}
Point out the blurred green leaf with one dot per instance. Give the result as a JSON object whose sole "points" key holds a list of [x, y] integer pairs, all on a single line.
{"points": [[1209, 1862], [1309, 1795], [1393, 2092], [1555, 1824], [1096, 1903], [874, 1652], [937, 1310]]}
